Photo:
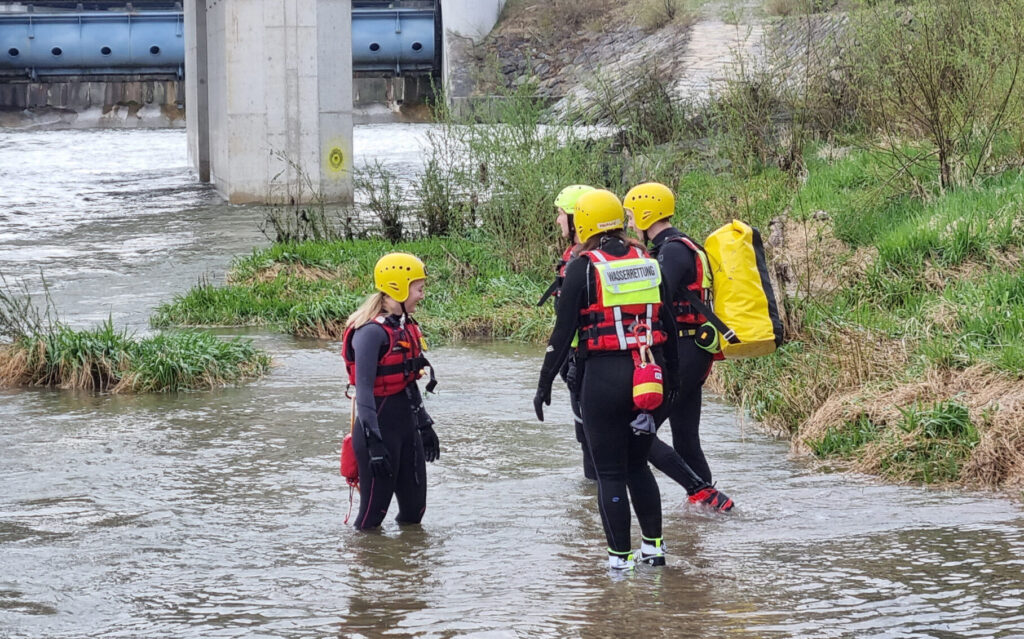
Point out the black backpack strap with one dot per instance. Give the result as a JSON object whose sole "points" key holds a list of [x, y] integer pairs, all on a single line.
{"points": [[551, 291], [727, 333], [432, 384]]}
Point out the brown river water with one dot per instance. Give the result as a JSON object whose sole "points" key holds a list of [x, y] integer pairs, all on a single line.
{"points": [[219, 514]]}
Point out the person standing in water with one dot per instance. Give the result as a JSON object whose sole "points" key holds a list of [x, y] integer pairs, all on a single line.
{"points": [[685, 268], [393, 437], [612, 298], [662, 456], [565, 204]]}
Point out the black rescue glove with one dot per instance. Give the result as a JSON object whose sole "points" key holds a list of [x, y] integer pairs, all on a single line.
{"points": [[380, 460], [542, 397], [431, 447]]}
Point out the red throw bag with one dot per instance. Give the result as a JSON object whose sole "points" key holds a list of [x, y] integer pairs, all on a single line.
{"points": [[349, 467], [648, 389]]}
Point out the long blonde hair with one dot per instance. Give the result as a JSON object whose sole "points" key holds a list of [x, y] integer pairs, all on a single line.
{"points": [[371, 307]]}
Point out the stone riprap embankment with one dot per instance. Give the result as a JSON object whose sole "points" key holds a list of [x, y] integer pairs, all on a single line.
{"points": [[592, 71]]}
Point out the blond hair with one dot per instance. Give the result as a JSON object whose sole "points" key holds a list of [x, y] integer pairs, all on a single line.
{"points": [[371, 307]]}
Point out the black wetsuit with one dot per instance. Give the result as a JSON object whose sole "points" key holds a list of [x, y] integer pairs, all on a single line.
{"points": [[568, 373], [606, 401], [396, 419], [679, 268]]}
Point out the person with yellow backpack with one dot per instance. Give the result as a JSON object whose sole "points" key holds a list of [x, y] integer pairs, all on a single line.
{"points": [[613, 302], [687, 273]]}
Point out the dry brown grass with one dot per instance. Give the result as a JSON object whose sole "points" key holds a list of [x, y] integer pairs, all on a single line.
{"points": [[298, 271], [811, 260], [559, 20], [938, 277], [14, 365], [995, 404], [24, 364], [655, 14], [330, 330], [844, 358]]}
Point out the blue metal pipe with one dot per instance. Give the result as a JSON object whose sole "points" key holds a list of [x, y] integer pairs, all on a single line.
{"points": [[116, 43], [398, 40], [93, 43]]}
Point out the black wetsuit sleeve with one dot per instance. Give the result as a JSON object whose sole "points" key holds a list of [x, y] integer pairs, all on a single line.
{"points": [[678, 266], [367, 343], [574, 288]]}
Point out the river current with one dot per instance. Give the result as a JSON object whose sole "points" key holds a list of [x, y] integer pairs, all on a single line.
{"points": [[220, 514]]}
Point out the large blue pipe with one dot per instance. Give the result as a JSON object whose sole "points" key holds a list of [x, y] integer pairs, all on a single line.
{"points": [[395, 40], [398, 41]]}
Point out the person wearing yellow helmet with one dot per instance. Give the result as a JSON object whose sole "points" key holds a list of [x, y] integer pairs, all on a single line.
{"points": [[612, 299], [565, 205], [383, 350], [684, 265]]}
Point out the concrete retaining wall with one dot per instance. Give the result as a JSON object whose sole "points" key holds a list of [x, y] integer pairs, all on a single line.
{"points": [[91, 102], [466, 22]]}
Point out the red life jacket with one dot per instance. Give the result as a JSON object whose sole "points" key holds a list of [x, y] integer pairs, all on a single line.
{"points": [[402, 362], [687, 317], [611, 328]]}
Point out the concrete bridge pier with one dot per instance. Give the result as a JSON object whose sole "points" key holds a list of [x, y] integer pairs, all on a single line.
{"points": [[269, 94]]}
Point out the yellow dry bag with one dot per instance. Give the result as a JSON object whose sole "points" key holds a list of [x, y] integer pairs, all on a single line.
{"points": [[743, 297]]}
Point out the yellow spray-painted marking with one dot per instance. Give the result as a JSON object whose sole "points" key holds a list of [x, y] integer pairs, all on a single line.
{"points": [[335, 159]]}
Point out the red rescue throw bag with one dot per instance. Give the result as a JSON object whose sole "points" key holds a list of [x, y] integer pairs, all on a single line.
{"points": [[648, 389], [349, 467]]}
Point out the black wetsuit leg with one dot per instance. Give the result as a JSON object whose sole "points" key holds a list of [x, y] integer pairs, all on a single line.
{"points": [[411, 483], [408, 476], [571, 373], [620, 457], [694, 366], [581, 437], [667, 460]]}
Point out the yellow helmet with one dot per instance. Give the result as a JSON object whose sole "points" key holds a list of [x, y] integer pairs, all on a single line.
{"points": [[566, 198], [649, 202], [597, 211], [395, 272]]}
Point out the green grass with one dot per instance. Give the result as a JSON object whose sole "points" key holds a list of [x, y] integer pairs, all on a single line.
{"points": [[944, 287], [191, 360], [845, 441], [471, 292], [930, 443], [109, 359]]}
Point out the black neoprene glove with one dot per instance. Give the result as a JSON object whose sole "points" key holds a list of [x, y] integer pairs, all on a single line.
{"points": [[542, 397], [380, 460], [431, 446]]}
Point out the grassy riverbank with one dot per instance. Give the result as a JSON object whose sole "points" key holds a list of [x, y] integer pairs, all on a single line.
{"points": [[881, 162], [309, 288], [905, 320], [906, 329]]}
